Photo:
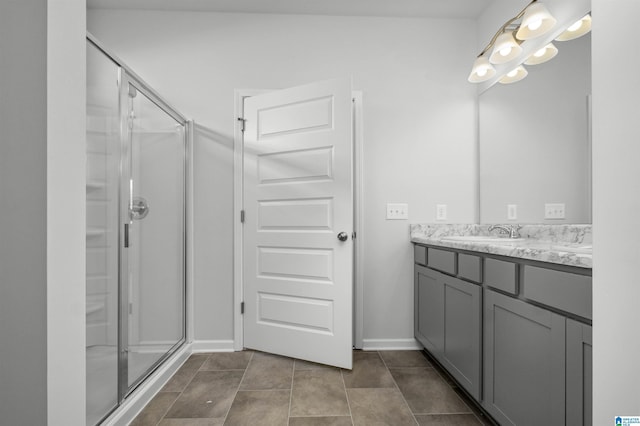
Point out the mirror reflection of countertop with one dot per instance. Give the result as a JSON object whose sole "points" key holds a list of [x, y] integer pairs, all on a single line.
{"points": [[562, 244]]}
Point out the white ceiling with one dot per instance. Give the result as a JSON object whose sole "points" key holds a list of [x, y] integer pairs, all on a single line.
{"points": [[398, 8]]}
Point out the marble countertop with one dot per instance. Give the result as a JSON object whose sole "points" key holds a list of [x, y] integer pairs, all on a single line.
{"points": [[562, 244]]}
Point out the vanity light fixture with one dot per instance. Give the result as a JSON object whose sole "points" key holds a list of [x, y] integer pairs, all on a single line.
{"points": [[533, 21], [578, 29], [505, 49], [542, 55], [536, 21], [482, 70], [514, 75]]}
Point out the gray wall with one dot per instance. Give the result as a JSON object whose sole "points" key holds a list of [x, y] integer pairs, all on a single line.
{"points": [[616, 196], [66, 211], [23, 201], [42, 231], [419, 128]]}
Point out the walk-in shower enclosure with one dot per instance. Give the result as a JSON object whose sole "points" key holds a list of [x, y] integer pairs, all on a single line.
{"points": [[136, 168]]}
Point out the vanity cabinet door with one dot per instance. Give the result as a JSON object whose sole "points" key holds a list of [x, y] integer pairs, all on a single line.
{"points": [[448, 323], [428, 310], [462, 332], [524, 362], [579, 373]]}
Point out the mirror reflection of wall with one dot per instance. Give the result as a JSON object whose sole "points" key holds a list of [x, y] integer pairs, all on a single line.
{"points": [[534, 138]]}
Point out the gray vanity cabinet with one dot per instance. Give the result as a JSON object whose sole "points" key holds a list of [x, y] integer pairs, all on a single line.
{"points": [[515, 334], [448, 323], [462, 333], [524, 359], [579, 373], [429, 310]]}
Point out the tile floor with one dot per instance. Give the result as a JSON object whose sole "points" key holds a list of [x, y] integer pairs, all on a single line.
{"points": [[253, 388]]}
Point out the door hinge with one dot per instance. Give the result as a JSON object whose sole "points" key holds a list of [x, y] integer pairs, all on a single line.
{"points": [[242, 123], [242, 307], [241, 216], [133, 92]]}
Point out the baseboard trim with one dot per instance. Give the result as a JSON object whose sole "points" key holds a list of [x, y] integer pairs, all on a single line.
{"points": [[135, 402], [199, 346], [390, 344]]}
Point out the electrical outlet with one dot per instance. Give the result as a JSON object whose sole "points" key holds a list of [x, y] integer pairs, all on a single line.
{"points": [[441, 212], [554, 211], [512, 211], [397, 211]]}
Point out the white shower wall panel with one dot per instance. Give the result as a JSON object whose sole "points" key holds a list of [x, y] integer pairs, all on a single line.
{"points": [[102, 223], [157, 259]]}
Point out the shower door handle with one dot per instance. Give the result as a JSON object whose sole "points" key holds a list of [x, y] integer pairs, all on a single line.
{"points": [[126, 235]]}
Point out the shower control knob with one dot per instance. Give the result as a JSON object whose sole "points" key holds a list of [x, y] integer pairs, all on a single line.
{"points": [[343, 236], [139, 208]]}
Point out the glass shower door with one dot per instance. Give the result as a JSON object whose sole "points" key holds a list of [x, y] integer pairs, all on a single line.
{"points": [[103, 223], [152, 311], [135, 236]]}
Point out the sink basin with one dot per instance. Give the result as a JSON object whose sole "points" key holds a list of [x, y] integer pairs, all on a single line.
{"points": [[586, 249], [482, 239]]}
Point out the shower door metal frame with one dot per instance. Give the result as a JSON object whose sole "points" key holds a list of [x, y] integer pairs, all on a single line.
{"points": [[129, 79], [125, 77]]}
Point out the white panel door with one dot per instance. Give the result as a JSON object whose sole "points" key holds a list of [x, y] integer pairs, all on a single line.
{"points": [[298, 200]]}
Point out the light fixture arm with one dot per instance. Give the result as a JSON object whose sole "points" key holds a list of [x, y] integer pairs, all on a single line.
{"points": [[504, 28]]}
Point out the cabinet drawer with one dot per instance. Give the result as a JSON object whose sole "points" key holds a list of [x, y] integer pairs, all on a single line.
{"points": [[562, 290], [420, 255], [470, 267], [501, 275], [441, 260]]}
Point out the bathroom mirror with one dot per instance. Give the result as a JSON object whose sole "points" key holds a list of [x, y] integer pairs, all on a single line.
{"points": [[535, 142]]}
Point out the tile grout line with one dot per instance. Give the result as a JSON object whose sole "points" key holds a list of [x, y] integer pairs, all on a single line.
{"points": [[239, 384], [459, 413], [165, 411], [319, 416], [440, 374], [346, 394], [293, 372], [398, 388], [181, 392], [227, 369]]}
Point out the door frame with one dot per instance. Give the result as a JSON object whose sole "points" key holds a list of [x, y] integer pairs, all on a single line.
{"points": [[128, 78], [238, 189]]}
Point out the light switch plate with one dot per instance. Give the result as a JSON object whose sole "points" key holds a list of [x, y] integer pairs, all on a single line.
{"points": [[441, 212], [512, 211], [554, 211], [397, 211]]}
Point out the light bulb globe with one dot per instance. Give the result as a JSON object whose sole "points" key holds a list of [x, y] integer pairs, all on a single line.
{"points": [[505, 49], [514, 75], [482, 70], [542, 55], [536, 21], [577, 29]]}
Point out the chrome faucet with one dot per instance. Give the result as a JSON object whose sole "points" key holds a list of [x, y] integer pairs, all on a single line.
{"points": [[511, 230]]}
